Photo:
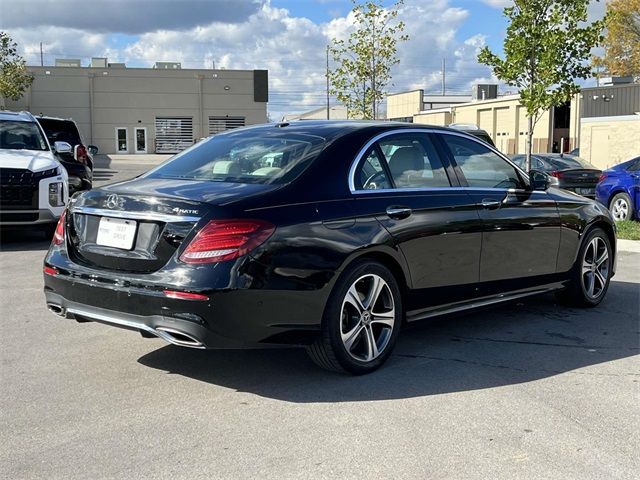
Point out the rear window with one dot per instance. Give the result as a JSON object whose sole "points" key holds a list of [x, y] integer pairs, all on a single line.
{"points": [[60, 131], [21, 136], [566, 162], [244, 157]]}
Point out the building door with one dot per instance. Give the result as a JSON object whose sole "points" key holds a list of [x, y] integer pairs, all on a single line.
{"points": [[141, 139], [122, 143], [599, 146]]}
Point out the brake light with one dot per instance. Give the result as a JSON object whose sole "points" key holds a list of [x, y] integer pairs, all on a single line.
{"points": [[602, 177], [80, 154], [50, 270], [58, 235], [556, 174], [222, 240]]}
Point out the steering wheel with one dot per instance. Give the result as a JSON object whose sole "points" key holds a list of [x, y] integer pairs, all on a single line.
{"points": [[370, 184]]}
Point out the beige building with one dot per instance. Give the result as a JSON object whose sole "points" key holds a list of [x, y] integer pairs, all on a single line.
{"points": [[146, 110], [609, 128], [603, 122], [403, 106], [336, 112]]}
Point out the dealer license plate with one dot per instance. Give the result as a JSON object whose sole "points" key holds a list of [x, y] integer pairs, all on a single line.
{"points": [[116, 232]]}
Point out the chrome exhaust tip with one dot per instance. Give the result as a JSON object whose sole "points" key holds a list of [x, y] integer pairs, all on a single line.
{"points": [[57, 309], [178, 338]]}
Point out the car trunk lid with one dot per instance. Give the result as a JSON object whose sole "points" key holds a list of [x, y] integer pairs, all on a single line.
{"points": [[138, 225]]}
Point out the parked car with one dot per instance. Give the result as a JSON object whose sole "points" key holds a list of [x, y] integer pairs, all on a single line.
{"points": [[33, 183], [474, 130], [79, 161], [573, 173], [619, 190], [336, 248]]}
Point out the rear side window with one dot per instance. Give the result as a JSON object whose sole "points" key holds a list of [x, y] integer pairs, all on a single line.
{"points": [[60, 131], [413, 162], [409, 160], [480, 166], [244, 157], [635, 166]]}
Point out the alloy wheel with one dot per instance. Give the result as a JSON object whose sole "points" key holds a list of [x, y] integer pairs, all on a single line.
{"points": [[367, 318], [595, 267], [620, 209]]}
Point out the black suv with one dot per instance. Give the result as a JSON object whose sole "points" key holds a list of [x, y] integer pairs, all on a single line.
{"points": [[78, 162]]}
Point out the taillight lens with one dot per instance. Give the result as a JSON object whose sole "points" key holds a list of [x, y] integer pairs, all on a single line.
{"points": [[81, 154], [555, 174], [222, 240], [602, 177], [58, 235]]}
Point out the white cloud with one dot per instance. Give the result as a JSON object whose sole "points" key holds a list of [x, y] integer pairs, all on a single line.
{"points": [[127, 16], [498, 3], [291, 48]]}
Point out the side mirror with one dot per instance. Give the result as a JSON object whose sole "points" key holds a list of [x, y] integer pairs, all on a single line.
{"points": [[541, 181], [62, 147], [92, 149]]}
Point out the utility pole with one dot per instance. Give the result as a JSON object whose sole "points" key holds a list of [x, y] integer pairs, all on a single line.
{"points": [[41, 57], [327, 74], [444, 85]]}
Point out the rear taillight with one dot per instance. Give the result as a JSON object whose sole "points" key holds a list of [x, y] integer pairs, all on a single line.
{"points": [[81, 154], [50, 270], [222, 240], [555, 174], [602, 177], [58, 235]]}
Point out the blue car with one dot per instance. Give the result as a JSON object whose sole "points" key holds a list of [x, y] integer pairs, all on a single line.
{"points": [[619, 190]]}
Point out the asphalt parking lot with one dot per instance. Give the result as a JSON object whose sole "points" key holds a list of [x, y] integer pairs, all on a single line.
{"points": [[528, 390]]}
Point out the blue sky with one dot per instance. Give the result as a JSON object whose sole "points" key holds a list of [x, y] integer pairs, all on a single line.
{"points": [[286, 37]]}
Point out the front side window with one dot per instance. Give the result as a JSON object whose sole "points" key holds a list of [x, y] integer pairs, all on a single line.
{"points": [[21, 136], [244, 157], [481, 167]]}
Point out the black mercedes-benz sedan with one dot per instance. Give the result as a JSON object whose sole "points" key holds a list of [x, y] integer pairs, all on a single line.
{"points": [[328, 235]]}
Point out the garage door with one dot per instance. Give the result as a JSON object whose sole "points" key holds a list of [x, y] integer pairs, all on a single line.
{"points": [[485, 121], [221, 124], [173, 134], [522, 130], [503, 129]]}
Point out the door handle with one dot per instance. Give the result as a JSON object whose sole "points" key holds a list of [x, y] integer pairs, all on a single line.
{"points": [[490, 204], [398, 212]]}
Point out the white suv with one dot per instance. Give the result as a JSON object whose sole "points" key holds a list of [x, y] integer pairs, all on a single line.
{"points": [[33, 184]]}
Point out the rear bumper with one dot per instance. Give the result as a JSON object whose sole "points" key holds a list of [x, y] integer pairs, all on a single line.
{"points": [[242, 318]]}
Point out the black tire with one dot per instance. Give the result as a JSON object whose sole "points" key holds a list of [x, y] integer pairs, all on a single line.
{"points": [[621, 207], [329, 350], [577, 292]]}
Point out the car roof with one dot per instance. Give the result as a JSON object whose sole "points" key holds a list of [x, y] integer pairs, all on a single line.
{"points": [[44, 117], [331, 129], [16, 116]]}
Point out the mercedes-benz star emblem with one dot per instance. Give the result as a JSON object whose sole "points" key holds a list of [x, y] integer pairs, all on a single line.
{"points": [[114, 201]]}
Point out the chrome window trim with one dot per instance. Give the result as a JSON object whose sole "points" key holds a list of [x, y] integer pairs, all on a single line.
{"points": [[354, 164], [151, 216]]}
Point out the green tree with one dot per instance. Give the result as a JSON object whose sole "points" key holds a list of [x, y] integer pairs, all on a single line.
{"points": [[547, 47], [363, 62], [14, 77], [622, 39]]}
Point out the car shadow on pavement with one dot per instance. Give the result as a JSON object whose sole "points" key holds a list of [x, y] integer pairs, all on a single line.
{"points": [[23, 240], [511, 344]]}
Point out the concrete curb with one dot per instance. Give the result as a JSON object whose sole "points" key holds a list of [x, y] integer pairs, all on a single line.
{"points": [[628, 246]]}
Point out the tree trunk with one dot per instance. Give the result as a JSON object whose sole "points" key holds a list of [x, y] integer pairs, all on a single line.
{"points": [[527, 162]]}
